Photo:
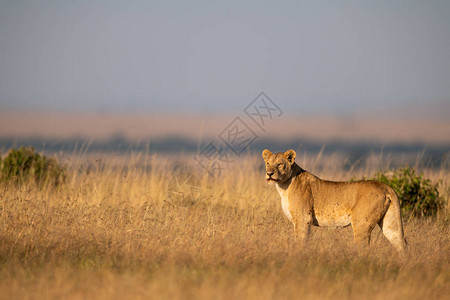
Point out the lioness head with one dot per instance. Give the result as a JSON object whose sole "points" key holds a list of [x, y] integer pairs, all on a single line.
{"points": [[278, 166]]}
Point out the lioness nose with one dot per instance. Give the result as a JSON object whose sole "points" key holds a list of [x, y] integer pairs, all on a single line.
{"points": [[269, 173]]}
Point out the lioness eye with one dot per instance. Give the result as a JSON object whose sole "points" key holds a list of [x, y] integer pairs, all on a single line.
{"points": [[279, 165]]}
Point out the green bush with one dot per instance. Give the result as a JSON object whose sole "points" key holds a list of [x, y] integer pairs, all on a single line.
{"points": [[418, 195], [24, 164]]}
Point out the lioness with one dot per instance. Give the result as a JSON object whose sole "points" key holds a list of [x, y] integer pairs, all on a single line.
{"points": [[308, 200]]}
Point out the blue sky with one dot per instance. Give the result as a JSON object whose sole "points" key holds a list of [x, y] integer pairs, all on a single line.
{"points": [[310, 56]]}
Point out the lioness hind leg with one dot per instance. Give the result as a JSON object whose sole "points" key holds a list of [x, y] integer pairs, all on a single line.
{"points": [[361, 234], [391, 225]]}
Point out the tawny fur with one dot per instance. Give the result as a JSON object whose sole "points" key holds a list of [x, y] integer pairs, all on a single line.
{"points": [[308, 200]]}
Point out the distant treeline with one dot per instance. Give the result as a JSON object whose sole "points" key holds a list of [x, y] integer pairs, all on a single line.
{"points": [[430, 155]]}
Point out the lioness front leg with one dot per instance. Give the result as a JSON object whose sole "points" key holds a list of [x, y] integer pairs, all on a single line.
{"points": [[301, 231]]}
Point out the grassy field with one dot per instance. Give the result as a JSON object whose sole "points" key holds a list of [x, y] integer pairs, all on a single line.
{"points": [[119, 229]]}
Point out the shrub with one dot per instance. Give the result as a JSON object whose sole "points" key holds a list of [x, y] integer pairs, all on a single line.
{"points": [[418, 195], [24, 164]]}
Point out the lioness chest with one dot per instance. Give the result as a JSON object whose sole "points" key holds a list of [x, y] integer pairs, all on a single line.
{"points": [[325, 213], [285, 203]]}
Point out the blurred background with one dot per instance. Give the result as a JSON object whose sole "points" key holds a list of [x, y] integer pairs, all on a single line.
{"points": [[350, 77]]}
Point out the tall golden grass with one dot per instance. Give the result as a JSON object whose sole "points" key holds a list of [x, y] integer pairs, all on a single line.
{"points": [[114, 230]]}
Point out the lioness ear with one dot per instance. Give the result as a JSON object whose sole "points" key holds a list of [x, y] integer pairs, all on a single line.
{"points": [[290, 155], [266, 153]]}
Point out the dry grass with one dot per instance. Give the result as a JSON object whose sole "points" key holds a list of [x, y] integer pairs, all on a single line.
{"points": [[112, 232]]}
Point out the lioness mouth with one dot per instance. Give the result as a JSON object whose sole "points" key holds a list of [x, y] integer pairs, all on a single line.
{"points": [[272, 179]]}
